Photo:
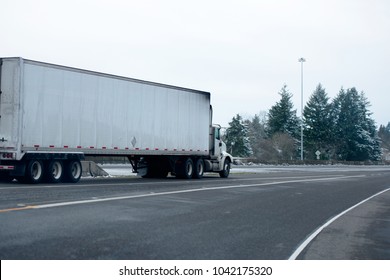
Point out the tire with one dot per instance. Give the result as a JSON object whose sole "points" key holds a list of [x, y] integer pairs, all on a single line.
{"points": [[185, 169], [72, 171], [224, 173], [34, 172], [198, 169], [54, 171]]}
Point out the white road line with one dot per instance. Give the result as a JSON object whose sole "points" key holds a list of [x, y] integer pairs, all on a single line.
{"points": [[95, 200], [315, 233], [176, 182]]}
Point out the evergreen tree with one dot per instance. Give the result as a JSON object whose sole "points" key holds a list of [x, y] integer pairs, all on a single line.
{"points": [[355, 132], [318, 124], [384, 135], [237, 141], [256, 135], [282, 118]]}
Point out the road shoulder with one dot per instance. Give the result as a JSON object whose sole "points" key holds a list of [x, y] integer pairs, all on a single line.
{"points": [[362, 233]]}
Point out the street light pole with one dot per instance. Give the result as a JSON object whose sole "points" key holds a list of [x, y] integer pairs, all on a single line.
{"points": [[302, 60]]}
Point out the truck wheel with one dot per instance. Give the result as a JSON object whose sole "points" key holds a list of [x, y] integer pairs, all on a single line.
{"points": [[34, 172], [185, 169], [54, 171], [226, 169], [199, 169], [72, 171]]}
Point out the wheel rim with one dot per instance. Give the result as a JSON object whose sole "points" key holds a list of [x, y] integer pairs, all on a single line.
{"points": [[36, 170], [56, 170], [227, 168], [75, 170], [200, 169], [189, 169]]}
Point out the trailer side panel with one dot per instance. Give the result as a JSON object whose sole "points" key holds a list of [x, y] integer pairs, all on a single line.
{"points": [[73, 109]]}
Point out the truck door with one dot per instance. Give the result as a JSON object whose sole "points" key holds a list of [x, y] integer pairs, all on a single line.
{"points": [[217, 141]]}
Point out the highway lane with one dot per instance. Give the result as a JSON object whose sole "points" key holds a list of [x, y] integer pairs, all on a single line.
{"points": [[248, 216]]}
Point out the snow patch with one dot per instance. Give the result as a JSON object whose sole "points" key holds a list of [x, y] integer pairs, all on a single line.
{"points": [[117, 170]]}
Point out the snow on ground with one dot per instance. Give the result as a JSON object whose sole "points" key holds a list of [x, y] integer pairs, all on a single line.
{"points": [[118, 169], [126, 169]]}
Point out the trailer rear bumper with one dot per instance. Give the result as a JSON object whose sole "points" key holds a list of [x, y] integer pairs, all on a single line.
{"points": [[16, 168], [7, 167]]}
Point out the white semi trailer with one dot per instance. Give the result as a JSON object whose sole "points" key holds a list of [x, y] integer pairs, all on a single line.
{"points": [[52, 116]]}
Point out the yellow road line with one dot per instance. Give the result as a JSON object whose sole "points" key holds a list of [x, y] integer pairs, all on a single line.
{"points": [[16, 209]]}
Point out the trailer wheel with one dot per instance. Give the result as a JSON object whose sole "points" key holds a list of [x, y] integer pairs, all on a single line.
{"points": [[54, 171], [224, 173], [72, 171], [199, 169], [34, 172], [185, 168]]}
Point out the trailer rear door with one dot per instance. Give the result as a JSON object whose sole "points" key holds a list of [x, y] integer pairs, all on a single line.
{"points": [[9, 104]]}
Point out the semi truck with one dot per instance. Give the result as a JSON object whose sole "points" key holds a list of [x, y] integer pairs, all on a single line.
{"points": [[53, 116]]}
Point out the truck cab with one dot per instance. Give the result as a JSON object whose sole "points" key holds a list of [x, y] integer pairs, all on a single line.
{"points": [[219, 158]]}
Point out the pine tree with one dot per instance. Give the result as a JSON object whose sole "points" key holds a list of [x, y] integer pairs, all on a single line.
{"points": [[355, 131], [282, 118], [256, 135], [384, 135], [237, 140], [318, 124]]}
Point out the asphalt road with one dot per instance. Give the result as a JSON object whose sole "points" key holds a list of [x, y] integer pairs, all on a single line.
{"points": [[268, 215]]}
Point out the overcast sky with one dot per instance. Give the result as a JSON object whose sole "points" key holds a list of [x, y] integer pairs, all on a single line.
{"points": [[243, 52]]}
